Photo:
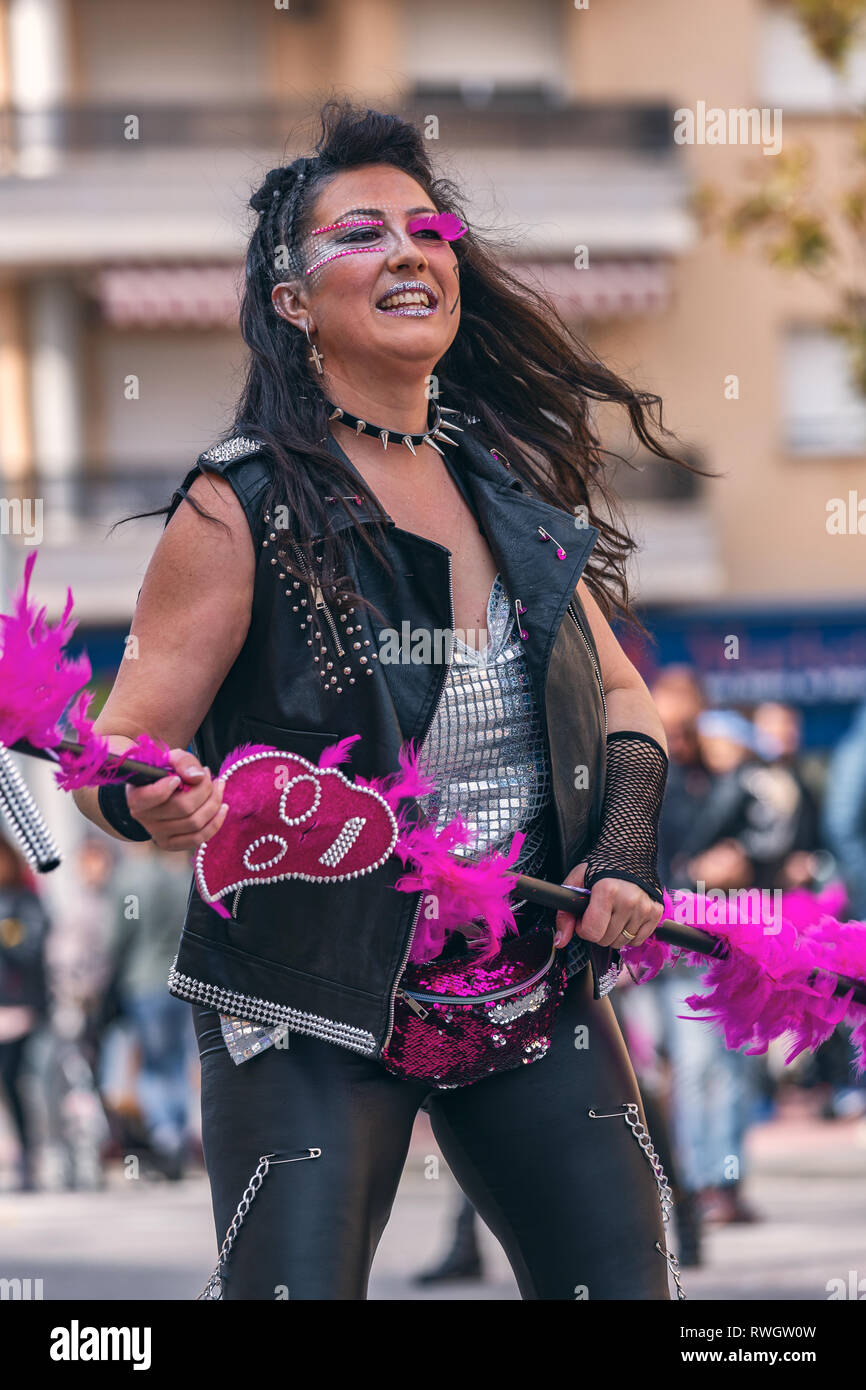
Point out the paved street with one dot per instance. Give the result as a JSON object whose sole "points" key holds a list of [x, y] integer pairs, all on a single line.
{"points": [[154, 1240]]}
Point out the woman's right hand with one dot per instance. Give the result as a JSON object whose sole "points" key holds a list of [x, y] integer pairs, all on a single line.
{"points": [[182, 811]]}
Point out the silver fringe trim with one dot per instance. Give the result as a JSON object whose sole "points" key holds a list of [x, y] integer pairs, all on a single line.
{"points": [[266, 1011]]}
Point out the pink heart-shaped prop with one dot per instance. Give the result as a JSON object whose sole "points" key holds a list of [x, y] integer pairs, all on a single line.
{"points": [[288, 818]]}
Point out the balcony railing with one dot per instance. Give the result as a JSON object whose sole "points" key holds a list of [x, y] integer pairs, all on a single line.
{"points": [[93, 497], [101, 493], [529, 119]]}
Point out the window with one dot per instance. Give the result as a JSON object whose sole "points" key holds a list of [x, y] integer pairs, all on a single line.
{"points": [[792, 75], [493, 48], [822, 409]]}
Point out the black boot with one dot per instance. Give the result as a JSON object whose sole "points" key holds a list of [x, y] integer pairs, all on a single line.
{"points": [[463, 1260]]}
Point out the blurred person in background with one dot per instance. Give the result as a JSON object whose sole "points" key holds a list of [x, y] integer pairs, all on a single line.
{"points": [[680, 700], [844, 826], [779, 730], [649, 1014], [149, 895], [844, 813], [751, 819], [23, 929], [462, 1259], [712, 1087], [79, 961], [755, 818]]}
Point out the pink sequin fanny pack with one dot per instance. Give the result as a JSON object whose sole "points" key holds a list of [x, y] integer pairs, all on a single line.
{"points": [[457, 1021]]}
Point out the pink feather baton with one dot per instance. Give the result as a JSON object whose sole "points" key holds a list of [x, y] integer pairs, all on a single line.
{"points": [[290, 818]]}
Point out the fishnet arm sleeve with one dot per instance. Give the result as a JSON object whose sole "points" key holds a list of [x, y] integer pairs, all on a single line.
{"points": [[627, 845]]}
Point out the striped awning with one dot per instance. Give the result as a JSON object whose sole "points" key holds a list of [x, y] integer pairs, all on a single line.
{"points": [[609, 289], [207, 296], [169, 296]]}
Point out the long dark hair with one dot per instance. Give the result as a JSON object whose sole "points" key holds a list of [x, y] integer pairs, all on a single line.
{"points": [[514, 364]]}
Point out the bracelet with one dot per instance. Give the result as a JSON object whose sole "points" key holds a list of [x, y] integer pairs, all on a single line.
{"points": [[115, 809]]}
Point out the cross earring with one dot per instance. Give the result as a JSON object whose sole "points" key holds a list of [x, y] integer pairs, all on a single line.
{"points": [[315, 356]]}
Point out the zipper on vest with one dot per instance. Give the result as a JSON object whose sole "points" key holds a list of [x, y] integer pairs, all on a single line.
{"points": [[595, 666], [412, 996], [319, 603], [421, 894], [322, 607]]}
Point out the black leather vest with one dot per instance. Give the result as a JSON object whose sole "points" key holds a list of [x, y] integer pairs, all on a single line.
{"points": [[326, 959]]}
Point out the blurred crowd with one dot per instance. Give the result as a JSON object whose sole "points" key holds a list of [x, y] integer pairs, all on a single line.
{"points": [[98, 1061], [743, 809]]}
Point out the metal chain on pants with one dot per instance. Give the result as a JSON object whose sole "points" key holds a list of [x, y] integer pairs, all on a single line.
{"points": [[631, 1114], [213, 1288]]}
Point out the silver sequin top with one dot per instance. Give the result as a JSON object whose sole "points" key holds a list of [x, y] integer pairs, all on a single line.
{"points": [[485, 751]]}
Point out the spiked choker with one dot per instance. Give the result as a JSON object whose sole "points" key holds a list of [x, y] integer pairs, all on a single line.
{"points": [[411, 441]]}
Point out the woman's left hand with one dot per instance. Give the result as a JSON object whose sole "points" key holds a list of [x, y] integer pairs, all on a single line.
{"points": [[614, 907]]}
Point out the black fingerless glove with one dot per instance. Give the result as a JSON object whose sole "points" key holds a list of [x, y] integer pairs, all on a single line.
{"points": [[627, 844], [114, 807]]}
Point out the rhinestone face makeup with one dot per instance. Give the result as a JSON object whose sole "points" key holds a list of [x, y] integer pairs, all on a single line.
{"points": [[348, 222], [409, 298], [381, 229], [334, 255]]}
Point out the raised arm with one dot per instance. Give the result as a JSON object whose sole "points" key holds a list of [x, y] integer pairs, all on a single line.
{"points": [[190, 622]]}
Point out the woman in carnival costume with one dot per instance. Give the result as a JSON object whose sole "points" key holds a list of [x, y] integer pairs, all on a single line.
{"points": [[414, 454]]}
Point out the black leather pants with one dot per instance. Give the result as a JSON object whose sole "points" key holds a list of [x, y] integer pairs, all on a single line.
{"points": [[573, 1200]]}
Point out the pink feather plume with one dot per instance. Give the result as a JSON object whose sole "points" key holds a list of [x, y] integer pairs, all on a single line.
{"points": [[772, 984], [37, 680], [456, 891], [337, 753]]}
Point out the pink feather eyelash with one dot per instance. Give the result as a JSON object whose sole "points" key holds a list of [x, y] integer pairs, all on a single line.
{"points": [[447, 224]]}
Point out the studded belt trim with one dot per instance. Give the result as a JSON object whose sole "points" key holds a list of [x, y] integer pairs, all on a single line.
{"points": [[268, 1011]]}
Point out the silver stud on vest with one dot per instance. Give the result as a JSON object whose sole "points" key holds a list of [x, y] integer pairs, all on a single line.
{"points": [[237, 447], [323, 662]]}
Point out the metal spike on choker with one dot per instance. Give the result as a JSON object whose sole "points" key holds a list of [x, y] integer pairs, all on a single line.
{"points": [[411, 441]]}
